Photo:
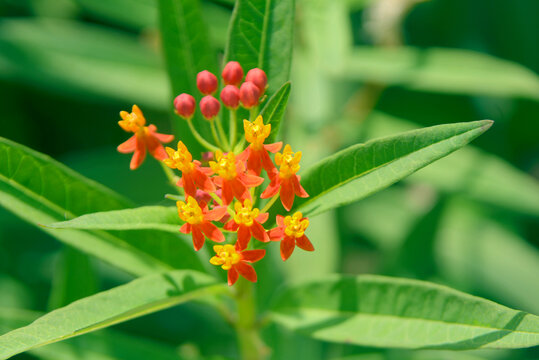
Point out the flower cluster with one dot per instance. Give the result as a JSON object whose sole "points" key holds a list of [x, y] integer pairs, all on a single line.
{"points": [[220, 201]]}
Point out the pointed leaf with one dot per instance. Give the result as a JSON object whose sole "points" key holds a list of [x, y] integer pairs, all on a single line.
{"points": [[273, 111], [380, 311], [137, 298], [261, 35], [363, 169]]}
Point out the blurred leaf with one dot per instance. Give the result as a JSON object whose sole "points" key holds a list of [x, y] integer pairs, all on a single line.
{"points": [[363, 169], [187, 51], [130, 13], [388, 312], [137, 298], [261, 36], [74, 278], [503, 264], [471, 171], [163, 218], [273, 111], [81, 60], [41, 190], [452, 71], [103, 345]]}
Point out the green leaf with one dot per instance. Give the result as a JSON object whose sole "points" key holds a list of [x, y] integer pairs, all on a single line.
{"points": [[42, 191], [164, 218], [102, 345], [441, 70], [273, 111], [137, 298], [187, 51], [132, 13], [80, 60], [363, 169], [261, 35], [389, 312]]}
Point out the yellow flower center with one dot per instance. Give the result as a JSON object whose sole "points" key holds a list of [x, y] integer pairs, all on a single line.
{"points": [[288, 162], [294, 226], [190, 212], [180, 159], [225, 166], [256, 132], [133, 121], [245, 214], [226, 256]]}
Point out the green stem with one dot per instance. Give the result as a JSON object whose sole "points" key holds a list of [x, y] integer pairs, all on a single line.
{"points": [[269, 203], [200, 139], [214, 134], [222, 135], [233, 124], [253, 113], [172, 178], [249, 341]]}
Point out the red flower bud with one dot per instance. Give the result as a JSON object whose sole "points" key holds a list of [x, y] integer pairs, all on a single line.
{"points": [[232, 73], [209, 107], [249, 94], [185, 105], [206, 82], [259, 78], [230, 96]]}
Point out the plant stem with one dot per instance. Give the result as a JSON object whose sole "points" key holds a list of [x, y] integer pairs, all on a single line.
{"points": [[214, 133], [233, 121], [269, 203], [222, 135], [249, 341], [171, 176], [200, 139]]}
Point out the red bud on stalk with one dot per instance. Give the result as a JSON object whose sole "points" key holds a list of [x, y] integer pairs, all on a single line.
{"points": [[206, 82], [259, 78], [249, 94], [185, 105], [232, 73], [230, 96], [209, 107]]}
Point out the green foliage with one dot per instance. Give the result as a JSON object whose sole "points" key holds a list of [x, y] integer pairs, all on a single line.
{"points": [[387, 312], [261, 35], [43, 191], [363, 169], [137, 298], [273, 111]]}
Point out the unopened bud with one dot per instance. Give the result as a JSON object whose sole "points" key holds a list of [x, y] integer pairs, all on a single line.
{"points": [[185, 105], [259, 78], [230, 96], [206, 82], [209, 107], [232, 73], [249, 94]]}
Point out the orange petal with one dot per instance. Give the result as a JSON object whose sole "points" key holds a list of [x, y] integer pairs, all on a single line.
{"points": [[216, 214], [231, 226], [298, 189], [244, 236], [287, 247], [259, 233], [155, 148], [227, 194], [253, 255], [304, 243], [139, 155], [280, 220], [203, 181], [246, 271], [128, 146], [232, 276], [186, 228], [188, 184], [212, 232], [251, 180], [272, 189], [262, 218], [276, 234], [164, 138], [287, 194], [273, 148], [198, 238]]}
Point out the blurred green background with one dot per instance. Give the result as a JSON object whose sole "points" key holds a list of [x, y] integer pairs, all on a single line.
{"points": [[361, 69]]}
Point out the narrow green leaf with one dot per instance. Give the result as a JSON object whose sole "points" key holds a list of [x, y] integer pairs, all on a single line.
{"points": [[42, 191], [389, 312], [442, 70], [187, 51], [137, 298], [103, 345], [163, 218], [363, 169], [261, 35], [273, 111]]}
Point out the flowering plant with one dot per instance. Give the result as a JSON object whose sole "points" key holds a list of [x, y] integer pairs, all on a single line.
{"points": [[238, 191]]}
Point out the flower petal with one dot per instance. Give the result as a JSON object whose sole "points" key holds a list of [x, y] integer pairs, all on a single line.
{"points": [[287, 194], [244, 236], [128, 146], [276, 234], [304, 243], [216, 213], [186, 228], [287, 247], [231, 226], [188, 184], [259, 233], [232, 276], [262, 218], [272, 188], [246, 270], [298, 189], [212, 232], [273, 148], [253, 255], [139, 155], [198, 238]]}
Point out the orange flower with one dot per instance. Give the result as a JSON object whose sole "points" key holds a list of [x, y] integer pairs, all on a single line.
{"points": [[235, 262], [197, 221], [286, 181], [193, 175], [247, 222], [231, 177], [256, 153], [291, 230], [145, 137]]}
